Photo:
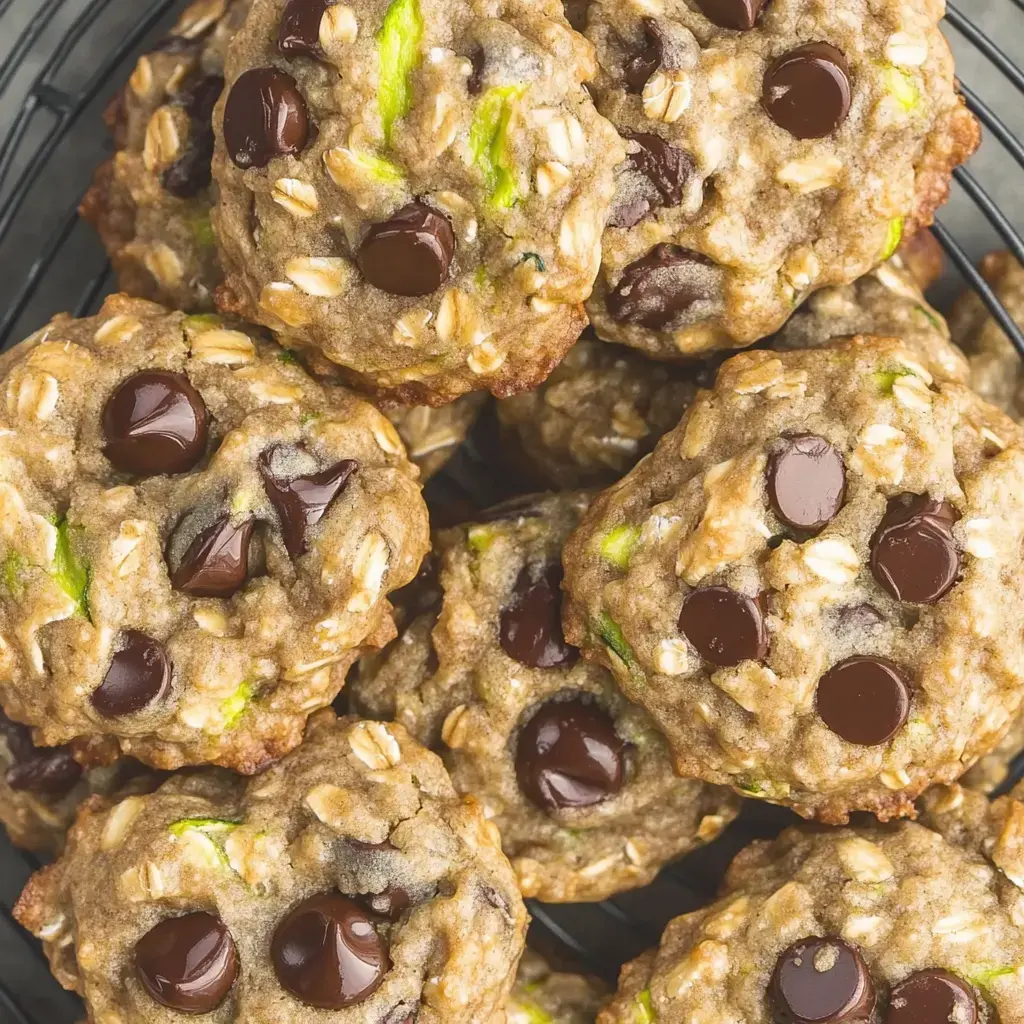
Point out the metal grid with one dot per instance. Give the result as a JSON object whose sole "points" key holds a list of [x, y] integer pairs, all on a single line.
{"points": [[52, 90]]}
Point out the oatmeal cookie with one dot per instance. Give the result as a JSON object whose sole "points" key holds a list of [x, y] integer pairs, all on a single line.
{"points": [[416, 188], [347, 883], [601, 410], [197, 538], [773, 149], [992, 770], [544, 996], [997, 372], [41, 788], [881, 925], [151, 202], [431, 435], [813, 581], [578, 780]]}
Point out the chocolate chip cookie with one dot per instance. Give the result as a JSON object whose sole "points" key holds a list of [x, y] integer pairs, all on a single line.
{"points": [[41, 788], [416, 188], [773, 149], [811, 583], [577, 779], [892, 925], [347, 883], [997, 373], [601, 410], [431, 435], [544, 996], [151, 202], [198, 538]]}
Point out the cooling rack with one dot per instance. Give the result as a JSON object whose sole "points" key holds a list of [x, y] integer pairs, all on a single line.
{"points": [[61, 60]]}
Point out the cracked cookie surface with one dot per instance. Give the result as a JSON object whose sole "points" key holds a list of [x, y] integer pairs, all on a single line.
{"points": [[885, 924], [773, 149], [813, 579], [996, 369], [424, 201], [577, 779], [151, 201], [197, 538], [347, 883]]}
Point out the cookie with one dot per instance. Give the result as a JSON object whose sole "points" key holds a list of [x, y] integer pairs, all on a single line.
{"points": [[811, 583], [602, 409], [578, 781], [424, 200], [997, 373], [432, 435], [544, 996], [606, 406], [348, 882], [992, 770], [41, 788], [198, 538], [773, 149], [892, 925], [151, 202]]}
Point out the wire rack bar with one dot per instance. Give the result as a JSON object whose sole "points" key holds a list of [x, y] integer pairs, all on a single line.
{"points": [[28, 38], [10, 1008], [977, 38], [987, 205], [993, 123], [585, 956]]}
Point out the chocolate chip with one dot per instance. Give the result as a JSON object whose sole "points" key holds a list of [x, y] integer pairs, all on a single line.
{"points": [[531, 623], [328, 954], [216, 563], [724, 626], [302, 501], [569, 755], [666, 168], [864, 700], [740, 15], [475, 82], [821, 981], [299, 32], [932, 997], [200, 97], [576, 12], [914, 556], [807, 91], [138, 676], [390, 904], [47, 771], [192, 172], [806, 482], [187, 963], [658, 287], [265, 116], [647, 58], [410, 254], [155, 422]]}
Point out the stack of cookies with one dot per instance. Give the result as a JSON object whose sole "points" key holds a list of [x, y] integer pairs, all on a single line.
{"points": [[791, 574]]}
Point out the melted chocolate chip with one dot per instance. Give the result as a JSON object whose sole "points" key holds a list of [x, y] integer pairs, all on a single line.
{"points": [[806, 482], [913, 553], [201, 97], [724, 626], [299, 32], [390, 904], [864, 700], [647, 58], [475, 82], [265, 117], [328, 954], [216, 563], [192, 171], [531, 623], [807, 91], [740, 15], [187, 963], [569, 755], [410, 254], [155, 422], [667, 170], [303, 501], [46, 771], [139, 675], [657, 288], [821, 981], [932, 997]]}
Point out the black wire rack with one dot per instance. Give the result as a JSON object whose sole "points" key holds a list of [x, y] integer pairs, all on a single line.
{"points": [[61, 60]]}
